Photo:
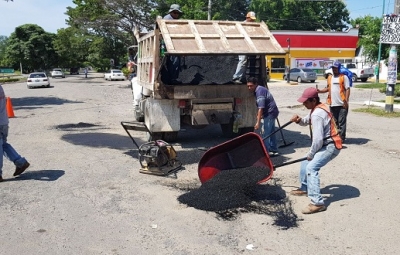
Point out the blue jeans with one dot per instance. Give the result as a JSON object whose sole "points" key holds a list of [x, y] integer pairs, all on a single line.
{"points": [[268, 126], [241, 67], [8, 151], [309, 172]]}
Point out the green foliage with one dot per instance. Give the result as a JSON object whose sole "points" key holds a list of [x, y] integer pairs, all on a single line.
{"points": [[125, 71], [3, 46], [302, 15], [369, 35], [9, 79], [32, 46]]}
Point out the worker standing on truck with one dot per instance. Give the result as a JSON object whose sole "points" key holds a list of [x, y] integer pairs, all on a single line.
{"points": [[173, 62], [242, 64], [338, 88], [266, 114]]}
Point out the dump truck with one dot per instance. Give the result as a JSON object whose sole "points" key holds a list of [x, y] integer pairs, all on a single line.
{"points": [[203, 93]]}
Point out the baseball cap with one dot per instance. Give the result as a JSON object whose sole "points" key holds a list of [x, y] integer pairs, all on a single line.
{"points": [[251, 15], [308, 93], [175, 7], [336, 64]]}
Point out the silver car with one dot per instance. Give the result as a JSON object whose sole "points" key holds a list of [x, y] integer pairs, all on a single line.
{"points": [[301, 74], [38, 79]]}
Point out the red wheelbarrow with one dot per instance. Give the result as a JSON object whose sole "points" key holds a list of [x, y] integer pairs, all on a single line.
{"points": [[247, 150]]}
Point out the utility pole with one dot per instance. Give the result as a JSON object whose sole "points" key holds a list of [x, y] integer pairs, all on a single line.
{"points": [[209, 9], [392, 67]]}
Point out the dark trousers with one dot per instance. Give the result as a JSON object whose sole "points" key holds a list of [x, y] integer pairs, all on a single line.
{"points": [[340, 115], [173, 65]]}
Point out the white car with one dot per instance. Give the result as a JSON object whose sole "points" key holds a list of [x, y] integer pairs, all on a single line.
{"points": [[38, 79], [57, 72], [114, 74]]}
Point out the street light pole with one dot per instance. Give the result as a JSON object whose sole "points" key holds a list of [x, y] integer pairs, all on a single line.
{"points": [[380, 47], [288, 75]]}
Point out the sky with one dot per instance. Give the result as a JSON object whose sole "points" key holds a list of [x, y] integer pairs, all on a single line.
{"points": [[49, 14]]}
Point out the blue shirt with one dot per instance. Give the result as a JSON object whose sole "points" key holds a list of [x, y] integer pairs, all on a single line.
{"points": [[265, 100]]}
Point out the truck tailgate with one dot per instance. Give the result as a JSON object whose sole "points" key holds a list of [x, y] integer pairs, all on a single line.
{"points": [[191, 37]]}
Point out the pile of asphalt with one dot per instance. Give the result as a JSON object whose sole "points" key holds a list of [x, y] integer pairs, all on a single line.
{"points": [[228, 189], [201, 70]]}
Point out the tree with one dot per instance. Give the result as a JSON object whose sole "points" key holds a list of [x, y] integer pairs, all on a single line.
{"points": [[3, 46], [32, 46], [369, 33], [118, 18], [302, 15]]}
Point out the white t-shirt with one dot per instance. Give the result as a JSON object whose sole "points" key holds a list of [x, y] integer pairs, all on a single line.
{"points": [[335, 90]]}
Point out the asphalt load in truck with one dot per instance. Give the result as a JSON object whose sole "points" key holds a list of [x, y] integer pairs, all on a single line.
{"points": [[228, 189], [203, 70]]}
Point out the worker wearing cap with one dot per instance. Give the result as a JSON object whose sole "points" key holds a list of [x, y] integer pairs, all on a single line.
{"points": [[242, 64], [174, 12], [338, 97], [325, 146], [173, 62]]}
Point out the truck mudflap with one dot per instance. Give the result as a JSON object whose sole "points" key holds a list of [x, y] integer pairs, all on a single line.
{"points": [[162, 115]]}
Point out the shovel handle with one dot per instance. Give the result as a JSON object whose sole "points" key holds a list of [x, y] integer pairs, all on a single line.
{"points": [[279, 129], [290, 162]]}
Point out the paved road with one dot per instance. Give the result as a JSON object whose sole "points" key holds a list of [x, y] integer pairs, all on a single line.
{"points": [[83, 193]]}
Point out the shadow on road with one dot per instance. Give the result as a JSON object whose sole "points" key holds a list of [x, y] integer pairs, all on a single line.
{"points": [[42, 175], [338, 192], [29, 102]]}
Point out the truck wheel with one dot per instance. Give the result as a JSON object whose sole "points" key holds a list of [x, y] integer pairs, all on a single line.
{"points": [[170, 136], [354, 78], [312, 81], [154, 136], [139, 117], [364, 79], [245, 130]]}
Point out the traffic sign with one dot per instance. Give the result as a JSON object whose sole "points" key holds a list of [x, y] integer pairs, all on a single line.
{"points": [[6, 70]]}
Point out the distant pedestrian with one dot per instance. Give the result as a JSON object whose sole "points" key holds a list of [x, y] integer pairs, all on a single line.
{"points": [[86, 72], [266, 114], [242, 64], [6, 149]]}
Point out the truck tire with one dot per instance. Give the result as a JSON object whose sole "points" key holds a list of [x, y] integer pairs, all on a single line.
{"points": [[364, 79], [139, 117], [170, 136], [312, 81], [245, 130], [354, 78], [227, 130], [154, 136]]}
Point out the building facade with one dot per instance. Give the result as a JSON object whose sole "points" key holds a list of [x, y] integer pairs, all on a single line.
{"points": [[312, 49]]}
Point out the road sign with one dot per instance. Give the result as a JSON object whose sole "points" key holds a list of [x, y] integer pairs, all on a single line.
{"points": [[6, 70]]}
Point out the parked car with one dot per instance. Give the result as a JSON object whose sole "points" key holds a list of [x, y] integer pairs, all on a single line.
{"points": [[74, 70], [57, 72], [362, 74], [38, 79], [301, 74], [114, 74]]}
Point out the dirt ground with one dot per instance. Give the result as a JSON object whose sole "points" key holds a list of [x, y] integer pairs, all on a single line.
{"points": [[83, 193]]}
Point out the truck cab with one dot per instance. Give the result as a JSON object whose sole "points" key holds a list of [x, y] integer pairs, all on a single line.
{"points": [[203, 92]]}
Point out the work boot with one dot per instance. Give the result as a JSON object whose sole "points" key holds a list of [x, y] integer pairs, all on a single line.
{"points": [[20, 170]]}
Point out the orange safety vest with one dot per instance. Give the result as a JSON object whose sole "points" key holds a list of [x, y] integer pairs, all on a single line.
{"points": [[334, 133], [342, 88]]}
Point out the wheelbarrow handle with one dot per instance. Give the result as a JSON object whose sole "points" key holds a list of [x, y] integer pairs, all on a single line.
{"points": [[277, 130], [290, 162]]}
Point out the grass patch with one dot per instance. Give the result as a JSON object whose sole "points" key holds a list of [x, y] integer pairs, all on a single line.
{"points": [[377, 111], [380, 86], [396, 101]]}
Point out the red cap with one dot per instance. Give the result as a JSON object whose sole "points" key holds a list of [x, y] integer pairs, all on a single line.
{"points": [[308, 93]]}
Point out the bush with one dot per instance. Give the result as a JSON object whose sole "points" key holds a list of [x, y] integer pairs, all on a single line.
{"points": [[9, 79], [396, 90]]}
